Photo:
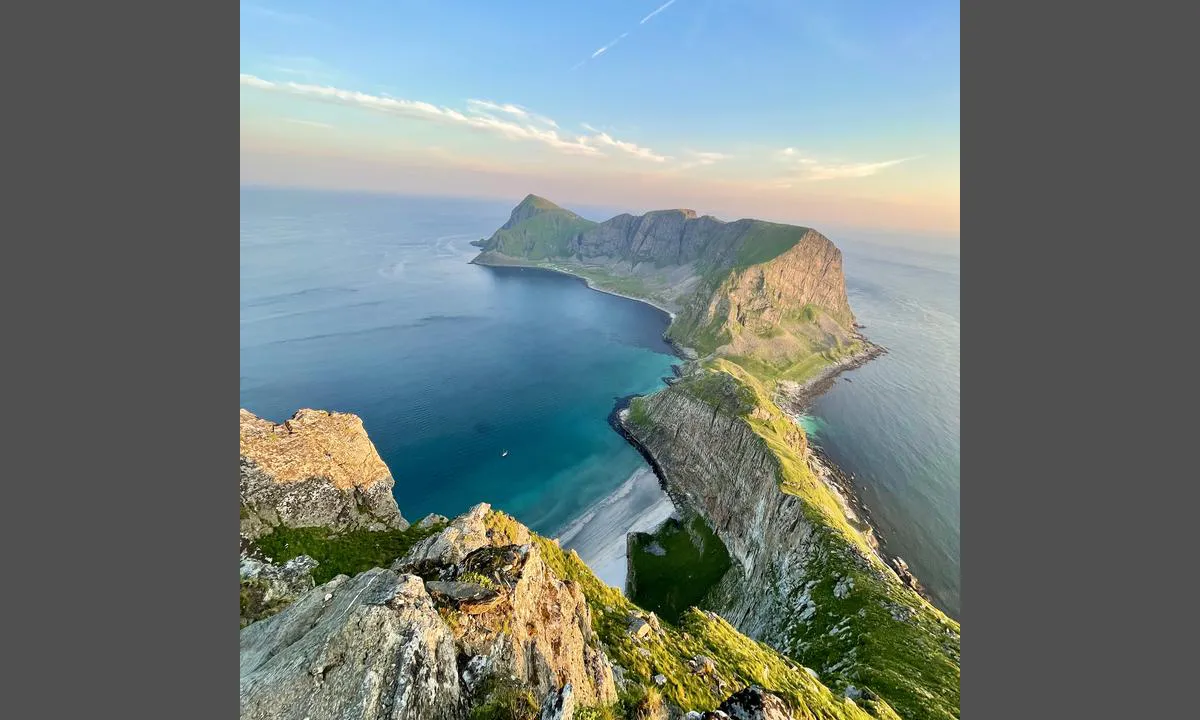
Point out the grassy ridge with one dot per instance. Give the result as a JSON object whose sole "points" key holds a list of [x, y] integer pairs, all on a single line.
{"points": [[886, 637], [739, 661]]}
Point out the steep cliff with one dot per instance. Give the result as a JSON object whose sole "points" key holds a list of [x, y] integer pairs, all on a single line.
{"points": [[480, 618], [317, 469], [768, 296], [804, 579]]}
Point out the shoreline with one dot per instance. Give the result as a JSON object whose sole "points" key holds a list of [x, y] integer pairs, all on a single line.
{"points": [[794, 399], [681, 352]]}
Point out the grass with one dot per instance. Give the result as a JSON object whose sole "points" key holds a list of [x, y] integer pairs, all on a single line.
{"points": [[346, 553], [765, 241], [887, 638], [695, 560], [739, 660], [545, 235]]}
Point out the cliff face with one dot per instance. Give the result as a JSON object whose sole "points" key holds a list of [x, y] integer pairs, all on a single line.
{"points": [[802, 581], [770, 292], [317, 469]]}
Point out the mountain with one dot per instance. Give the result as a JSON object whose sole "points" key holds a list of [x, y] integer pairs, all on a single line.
{"points": [[481, 618], [768, 296], [768, 538]]}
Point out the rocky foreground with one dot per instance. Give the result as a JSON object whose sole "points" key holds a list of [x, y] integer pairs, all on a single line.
{"points": [[481, 618]]}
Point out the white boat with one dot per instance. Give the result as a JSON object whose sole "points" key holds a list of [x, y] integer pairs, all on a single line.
{"points": [[504, 454]]}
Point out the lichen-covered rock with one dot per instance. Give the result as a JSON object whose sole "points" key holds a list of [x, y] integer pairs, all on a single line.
{"points": [[267, 588], [375, 649], [431, 520], [559, 704], [317, 469]]}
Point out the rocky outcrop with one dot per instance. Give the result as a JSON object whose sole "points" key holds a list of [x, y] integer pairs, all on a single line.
{"points": [[511, 615], [316, 469], [373, 646], [267, 588], [389, 643], [800, 582]]}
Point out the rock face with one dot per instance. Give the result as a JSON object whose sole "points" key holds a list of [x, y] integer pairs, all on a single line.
{"points": [[266, 588], [376, 649], [317, 469], [511, 615], [798, 582], [390, 644]]}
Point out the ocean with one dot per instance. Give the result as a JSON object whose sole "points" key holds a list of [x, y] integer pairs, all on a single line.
{"points": [[494, 384]]}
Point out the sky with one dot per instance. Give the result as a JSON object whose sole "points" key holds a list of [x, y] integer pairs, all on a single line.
{"points": [[840, 113]]}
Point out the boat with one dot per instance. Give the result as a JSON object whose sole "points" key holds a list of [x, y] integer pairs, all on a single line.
{"points": [[504, 454]]}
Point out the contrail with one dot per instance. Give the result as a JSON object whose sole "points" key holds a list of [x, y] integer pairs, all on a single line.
{"points": [[666, 5]]}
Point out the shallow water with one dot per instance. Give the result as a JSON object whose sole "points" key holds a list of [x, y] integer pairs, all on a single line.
{"points": [[367, 304]]}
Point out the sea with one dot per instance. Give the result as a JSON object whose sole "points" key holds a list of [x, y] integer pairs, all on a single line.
{"points": [[494, 385]]}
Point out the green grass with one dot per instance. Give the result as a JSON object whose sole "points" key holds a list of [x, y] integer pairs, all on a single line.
{"points": [[911, 661], [695, 560], [545, 235], [347, 553], [637, 413], [765, 241], [739, 660]]}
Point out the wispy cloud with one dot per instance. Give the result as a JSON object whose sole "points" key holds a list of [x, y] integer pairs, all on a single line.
{"points": [[622, 36], [477, 116], [309, 123], [487, 105], [811, 169], [662, 7], [606, 140], [700, 159]]}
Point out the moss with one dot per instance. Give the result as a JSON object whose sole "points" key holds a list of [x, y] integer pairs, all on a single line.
{"points": [[694, 560], [253, 605], [503, 526], [346, 553], [478, 579], [506, 700]]}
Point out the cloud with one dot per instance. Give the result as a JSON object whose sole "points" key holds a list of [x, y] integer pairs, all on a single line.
{"points": [[511, 110], [637, 151], [309, 123], [666, 5], [699, 159], [591, 145], [604, 49], [812, 169]]}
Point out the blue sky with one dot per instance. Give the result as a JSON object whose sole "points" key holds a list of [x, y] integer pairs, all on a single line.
{"points": [[837, 111]]}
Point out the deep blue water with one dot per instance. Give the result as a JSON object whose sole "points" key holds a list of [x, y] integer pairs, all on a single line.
{"points": [[894, 423], [367, 304]]}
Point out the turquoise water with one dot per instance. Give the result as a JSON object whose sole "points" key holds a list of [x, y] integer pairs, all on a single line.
{"points": [[367, 304]]}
